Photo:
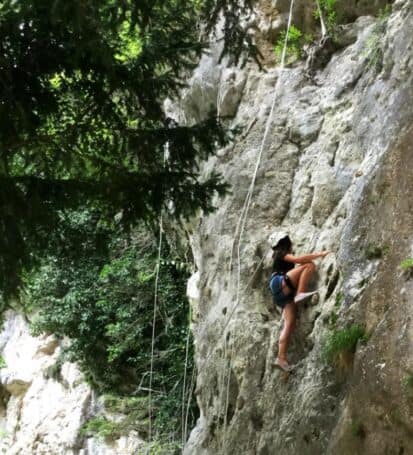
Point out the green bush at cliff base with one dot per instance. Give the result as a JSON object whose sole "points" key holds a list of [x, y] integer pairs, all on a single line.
{"points": [[131, 415], [157, 448], [343, 341]]}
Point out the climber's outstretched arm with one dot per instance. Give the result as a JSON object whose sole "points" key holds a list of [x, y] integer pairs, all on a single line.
{"points": [[305, 258]]}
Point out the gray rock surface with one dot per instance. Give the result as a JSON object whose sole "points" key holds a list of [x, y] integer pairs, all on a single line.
{"points": [[336, 172], [40, 414]]}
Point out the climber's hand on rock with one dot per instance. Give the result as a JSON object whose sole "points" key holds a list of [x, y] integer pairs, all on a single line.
{"points": [[323, 254]]}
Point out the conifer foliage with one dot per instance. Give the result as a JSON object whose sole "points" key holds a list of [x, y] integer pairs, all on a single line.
{"points": [[82, 85]]}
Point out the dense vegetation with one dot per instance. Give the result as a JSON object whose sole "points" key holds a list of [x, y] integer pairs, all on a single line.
{"points": [[102, 299], [81, 92]]}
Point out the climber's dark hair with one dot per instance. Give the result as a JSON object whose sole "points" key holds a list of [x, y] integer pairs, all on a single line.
{"points": [[283, 247]]}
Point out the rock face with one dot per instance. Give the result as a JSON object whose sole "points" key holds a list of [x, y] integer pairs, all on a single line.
{"points": [[337, 173], [41, 413]]}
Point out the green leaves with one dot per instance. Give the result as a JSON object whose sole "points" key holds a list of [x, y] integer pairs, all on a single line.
{"points": [[295, 42], [375, 44], [104, 303], [343, 341], [328, 9], [81, 100], [407, 264]]}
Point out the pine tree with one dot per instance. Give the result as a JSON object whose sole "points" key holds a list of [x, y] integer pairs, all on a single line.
{"points": [[82, 84]]}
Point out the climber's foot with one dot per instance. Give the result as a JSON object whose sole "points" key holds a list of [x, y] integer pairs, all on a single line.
{"points": [[282, 365], [303, 295]]}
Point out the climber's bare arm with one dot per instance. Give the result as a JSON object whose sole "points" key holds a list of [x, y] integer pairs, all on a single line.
{"points": [[305, 258]]}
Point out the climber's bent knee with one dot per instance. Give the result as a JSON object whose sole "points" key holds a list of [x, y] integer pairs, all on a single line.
{"points": [[311, 266]]}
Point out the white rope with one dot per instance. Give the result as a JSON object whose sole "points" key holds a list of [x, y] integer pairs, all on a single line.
{"points": [[246, 287], [191, 391], [224, 432], [219, 98], [246, 206], [248, 199], [244, 215], [237, 228], [155, 304], [247, 203], [184, 381], [154, 324], [323, 25]]}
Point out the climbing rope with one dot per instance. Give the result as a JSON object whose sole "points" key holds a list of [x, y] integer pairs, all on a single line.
{"points": [[244, 211], [184, 381], [323, 25], [154, 324], [240, 228], [247, 203], [241, 223], [219, 99], [155, 304], [224, 431], [188, 406]]}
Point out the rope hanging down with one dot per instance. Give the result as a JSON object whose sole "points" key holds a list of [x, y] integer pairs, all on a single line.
{"points": [[245, 210], [188, 405], [183, 419], [246, 206], [239, 230], [248, 198], [323, 25], [155, 305]]}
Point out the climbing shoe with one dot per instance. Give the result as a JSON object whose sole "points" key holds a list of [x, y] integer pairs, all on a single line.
{"points": [[284, 366], [303, 295]]}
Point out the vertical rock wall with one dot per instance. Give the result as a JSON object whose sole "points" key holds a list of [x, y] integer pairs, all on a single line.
{"points": [[336, 172]]}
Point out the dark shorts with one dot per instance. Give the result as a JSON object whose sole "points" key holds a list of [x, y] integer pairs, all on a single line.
{"points": [[279, 298]]}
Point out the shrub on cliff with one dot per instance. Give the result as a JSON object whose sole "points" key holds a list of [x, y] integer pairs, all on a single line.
{"points": [[341, 344]]}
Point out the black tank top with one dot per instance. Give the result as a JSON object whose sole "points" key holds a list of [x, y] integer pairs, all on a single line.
{"points": [[281, 266]]}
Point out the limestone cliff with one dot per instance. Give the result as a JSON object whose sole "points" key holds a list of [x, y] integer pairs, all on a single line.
{"points": [[337, 173], [42, 412]]}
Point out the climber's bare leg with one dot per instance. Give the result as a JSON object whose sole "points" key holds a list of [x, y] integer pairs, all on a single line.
{"points": [[300, 276], [289, 316]]}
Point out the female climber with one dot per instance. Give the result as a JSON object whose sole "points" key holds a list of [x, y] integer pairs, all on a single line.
{"points": [[288, 285]]}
